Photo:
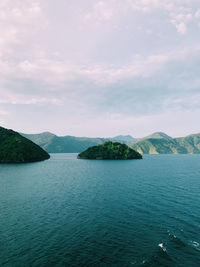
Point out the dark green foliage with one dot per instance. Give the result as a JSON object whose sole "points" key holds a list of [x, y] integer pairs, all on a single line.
{"points": [[15, 148], [110, 150]]}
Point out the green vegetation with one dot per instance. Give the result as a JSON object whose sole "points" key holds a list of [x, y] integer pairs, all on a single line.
{"points": [[156, 135], [110, 150], [183, 145], [156, 143], [155, 146], [15, 148], [63, 144]]}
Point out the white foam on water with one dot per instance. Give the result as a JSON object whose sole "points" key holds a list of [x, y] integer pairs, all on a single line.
{"points": [[162, 247], [174, 236], [133, 263], [195, 245]]}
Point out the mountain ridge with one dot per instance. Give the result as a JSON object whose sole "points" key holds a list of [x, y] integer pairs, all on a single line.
{"points": [[156, 135], [181, 145], [156, 143]]}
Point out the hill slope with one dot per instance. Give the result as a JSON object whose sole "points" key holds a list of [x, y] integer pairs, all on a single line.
{"points": [[71, 144], [15, 148], [63, 144], [183, 145], [110, 150], [156, 143], [157, 135], [125, 139]]}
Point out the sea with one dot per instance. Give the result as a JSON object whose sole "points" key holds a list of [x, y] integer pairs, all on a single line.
{"points": [[73, 212]]}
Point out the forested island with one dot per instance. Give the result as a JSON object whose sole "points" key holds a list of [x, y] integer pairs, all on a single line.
{"points": [[15, 148], [110, 150]]}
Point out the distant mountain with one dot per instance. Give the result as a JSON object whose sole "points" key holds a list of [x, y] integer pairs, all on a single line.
{"points": [[123, 138], [15, 148], [71, 144], [183, 145], [63, 144], [41, 139], [191, 143], [156, 143], [157, 135]]}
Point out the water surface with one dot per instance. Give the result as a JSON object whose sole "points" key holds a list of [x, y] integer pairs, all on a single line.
{"points": [[69, 212]]}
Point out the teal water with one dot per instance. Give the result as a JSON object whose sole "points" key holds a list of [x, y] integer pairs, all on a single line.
{"points": [[69, 212]]}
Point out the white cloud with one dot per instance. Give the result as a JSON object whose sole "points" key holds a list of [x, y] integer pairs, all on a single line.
{"points": [[178, 12], [125, 58], [15, 19], [181, 28], [55, 73], [16, 99], [8, 36], [197, 14], [101, 11], [58, 73], [59, 82], [149, 5], [21, 11], [3, 112]]}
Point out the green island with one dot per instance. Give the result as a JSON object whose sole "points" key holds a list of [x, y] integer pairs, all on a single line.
{"points": [[15, 148], [110, 150]]}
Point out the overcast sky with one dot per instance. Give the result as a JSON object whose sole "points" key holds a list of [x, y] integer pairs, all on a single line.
{"points": [[100, 68]]}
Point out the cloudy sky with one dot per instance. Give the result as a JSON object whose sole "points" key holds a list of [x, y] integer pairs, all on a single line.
{"points": [[100, 68]]}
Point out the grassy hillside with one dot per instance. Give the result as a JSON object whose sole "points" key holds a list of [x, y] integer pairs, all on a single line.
{"points": [[183, 145]]}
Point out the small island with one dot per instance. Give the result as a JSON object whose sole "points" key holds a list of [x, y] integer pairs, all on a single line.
{"points": [[110, 150], [15, 148]]}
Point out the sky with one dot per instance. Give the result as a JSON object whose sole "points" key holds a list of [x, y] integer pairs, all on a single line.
{"points": [[100, 68]]}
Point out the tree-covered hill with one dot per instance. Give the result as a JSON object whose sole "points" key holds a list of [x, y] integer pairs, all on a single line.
{"points": [[15, 148], [110, 150]]}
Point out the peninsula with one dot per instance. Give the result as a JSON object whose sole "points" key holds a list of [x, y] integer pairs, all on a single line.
{"points": [[15, 148], [110, 150]]}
